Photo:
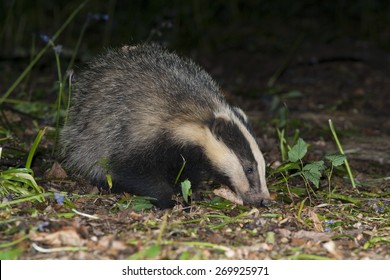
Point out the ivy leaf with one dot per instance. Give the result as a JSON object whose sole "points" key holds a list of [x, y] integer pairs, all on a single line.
{"points": [[315, 165], [186, 189], [298, 151], [312, 172], [336, 159]]}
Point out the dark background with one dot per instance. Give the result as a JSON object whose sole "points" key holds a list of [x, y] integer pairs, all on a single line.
{"points": [[334, 53], [237, 37]]}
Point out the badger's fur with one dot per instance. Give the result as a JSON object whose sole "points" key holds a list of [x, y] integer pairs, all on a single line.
{"points": [[138, 111]]}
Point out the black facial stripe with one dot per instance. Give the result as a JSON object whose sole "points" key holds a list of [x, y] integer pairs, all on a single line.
{"points": [[234, 139], [228, 132]]}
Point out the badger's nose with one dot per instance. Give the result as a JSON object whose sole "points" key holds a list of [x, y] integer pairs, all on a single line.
{"points": [[265, 202]]}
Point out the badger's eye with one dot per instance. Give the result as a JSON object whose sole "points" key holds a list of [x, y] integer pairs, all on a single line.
{"points": [[249, 170]]}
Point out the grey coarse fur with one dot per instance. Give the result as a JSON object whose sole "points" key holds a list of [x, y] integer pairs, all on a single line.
{"points": [[125, 105]]}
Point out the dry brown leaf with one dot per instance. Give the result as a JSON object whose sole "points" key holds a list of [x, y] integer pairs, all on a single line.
{"points": [[216, 238], [111, 246], [331, 247], [228, 194], [284, 232], [312, 235], [316, 221], [56, 171], [65, 237], [297, 242]]}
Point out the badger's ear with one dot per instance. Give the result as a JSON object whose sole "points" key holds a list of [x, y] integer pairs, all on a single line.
{"points": [[240, 114], [219, 126]]}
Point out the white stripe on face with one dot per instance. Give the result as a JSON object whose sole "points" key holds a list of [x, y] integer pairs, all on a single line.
{"points": [[253, 146], [221, 157]]}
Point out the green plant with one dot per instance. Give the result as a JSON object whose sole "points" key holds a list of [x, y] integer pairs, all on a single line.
{"points": [[186, 190], [137, 203], [186, 184], [284, 146], [34, 147], [19, 183], [310, 172]]}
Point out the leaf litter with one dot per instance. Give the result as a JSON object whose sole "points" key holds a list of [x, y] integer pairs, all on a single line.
{"points": [[213, 228]]}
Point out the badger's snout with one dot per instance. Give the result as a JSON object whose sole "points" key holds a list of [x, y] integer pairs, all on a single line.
{"points": [[264, 202], [257, 199]]}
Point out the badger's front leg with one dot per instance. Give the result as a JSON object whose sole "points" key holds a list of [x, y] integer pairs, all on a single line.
{"points": [[151, 186]]}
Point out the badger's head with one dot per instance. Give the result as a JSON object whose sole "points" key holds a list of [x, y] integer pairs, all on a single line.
{"points": [[230, 146], [238, 157]]}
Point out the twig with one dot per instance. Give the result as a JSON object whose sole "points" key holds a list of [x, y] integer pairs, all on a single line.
{"points": [[59, 249], [85, 215]]}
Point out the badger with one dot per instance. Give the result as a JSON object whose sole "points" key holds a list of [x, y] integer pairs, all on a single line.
{"points": [[139, 111]]}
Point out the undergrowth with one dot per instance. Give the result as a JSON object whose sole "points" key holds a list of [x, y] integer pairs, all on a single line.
{"points": [[18, 184]]}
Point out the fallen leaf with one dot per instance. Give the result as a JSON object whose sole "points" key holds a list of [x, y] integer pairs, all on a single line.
{"points": [[228, 194], [56, 171], [65, 237], [216, 238], [331, 247], [312, 235], [110, 245], [316, 221], [284, 232], [297, 242]]}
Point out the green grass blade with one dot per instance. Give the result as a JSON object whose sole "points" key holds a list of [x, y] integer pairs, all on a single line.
{"points": [[282, 144], [34, 147], [375, 240], [308, 257], [181, 170], [342, 152], [12, 243], [344, 198], [38, 197], [300, 209]]}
